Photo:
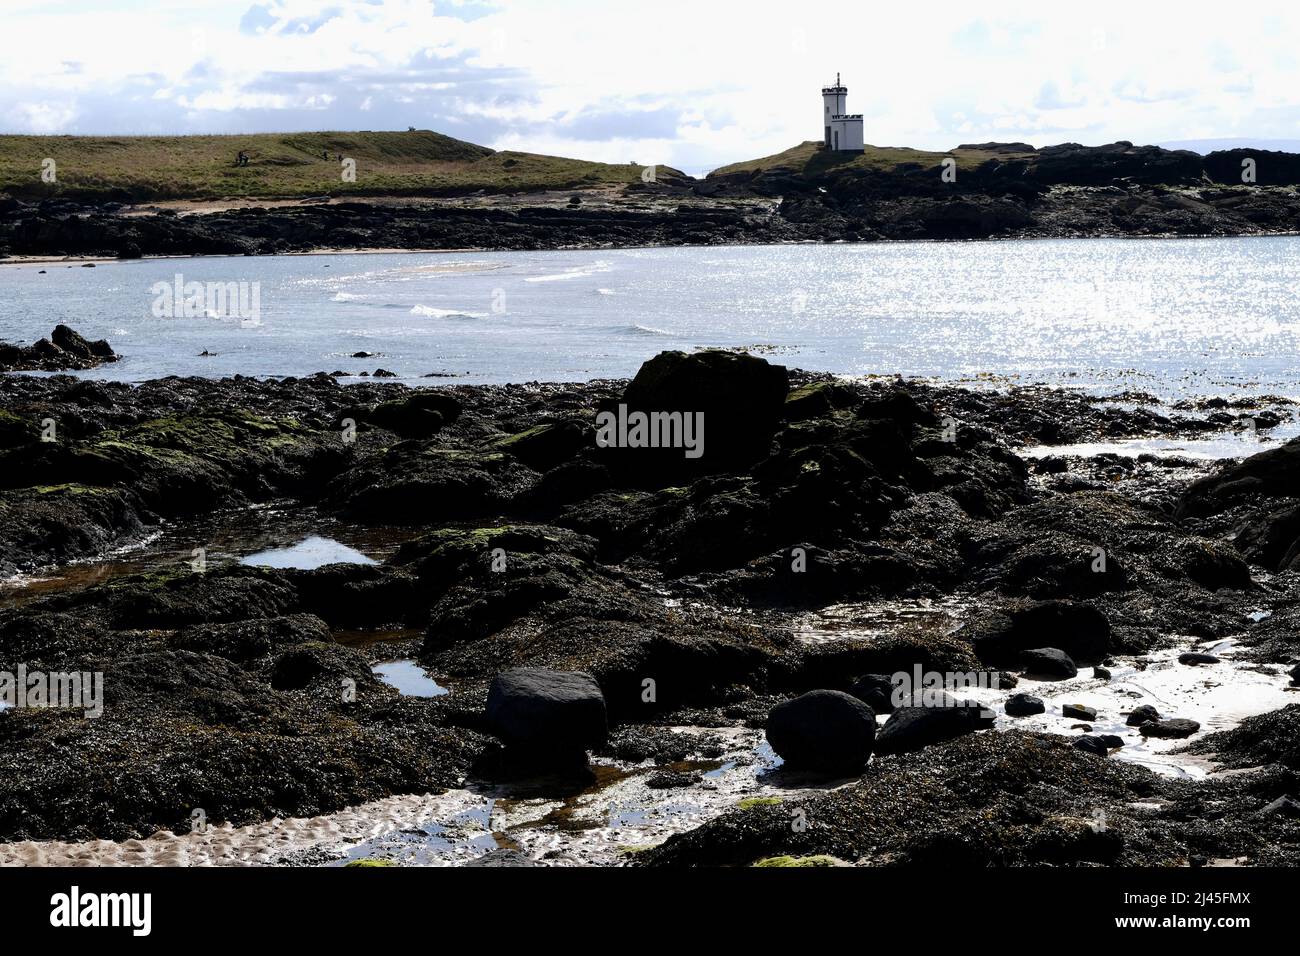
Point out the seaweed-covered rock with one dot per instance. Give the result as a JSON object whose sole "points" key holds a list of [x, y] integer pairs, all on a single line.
{"points": [[64, 350], [736, 398], [930, 719], [823, 730], [546, 712]]}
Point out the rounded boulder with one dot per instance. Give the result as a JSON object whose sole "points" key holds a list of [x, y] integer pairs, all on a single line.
{"points": [[824, 730]]}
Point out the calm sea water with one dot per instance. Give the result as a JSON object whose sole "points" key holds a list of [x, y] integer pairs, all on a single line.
{"points": [[1206, 316]]}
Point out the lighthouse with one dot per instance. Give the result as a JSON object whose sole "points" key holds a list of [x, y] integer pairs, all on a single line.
{"points": [[842, 130]]}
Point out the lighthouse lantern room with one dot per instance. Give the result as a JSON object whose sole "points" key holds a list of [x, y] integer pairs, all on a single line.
{"points": [[842, 131]]}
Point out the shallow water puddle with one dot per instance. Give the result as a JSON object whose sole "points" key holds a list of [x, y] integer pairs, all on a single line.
{"points": [[871, 620], [266, 536], [307, 555], [409, 679], [1217, 696], [1200, 449], [603, 824]]}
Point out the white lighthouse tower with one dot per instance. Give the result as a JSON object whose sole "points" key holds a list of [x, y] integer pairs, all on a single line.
{"points": [[842, 130]]}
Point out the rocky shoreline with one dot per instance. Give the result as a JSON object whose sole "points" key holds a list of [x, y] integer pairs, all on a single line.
{"points": [[1066, 191], [65, 350], [522, 545]]}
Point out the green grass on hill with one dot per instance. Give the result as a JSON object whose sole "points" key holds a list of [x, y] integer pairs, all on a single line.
{"points": [[288, 165], [811, 158]]}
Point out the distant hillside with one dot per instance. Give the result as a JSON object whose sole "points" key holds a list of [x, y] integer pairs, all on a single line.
{"points": [[1207, 146], [811, 158], [992, 168], [288, 165]]}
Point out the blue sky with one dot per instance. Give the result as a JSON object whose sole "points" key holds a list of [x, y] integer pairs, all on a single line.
{"points": [[691, 84]]}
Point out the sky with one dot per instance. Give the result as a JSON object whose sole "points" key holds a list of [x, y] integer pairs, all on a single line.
{"points": [[687, 83]]}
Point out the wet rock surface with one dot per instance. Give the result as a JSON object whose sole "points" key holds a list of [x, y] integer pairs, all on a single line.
{"points": [[520, 543], [64, 350], [823, 730]]}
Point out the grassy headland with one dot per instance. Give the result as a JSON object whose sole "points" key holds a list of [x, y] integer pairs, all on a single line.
{"points": [[810, 158], [286, 165]]}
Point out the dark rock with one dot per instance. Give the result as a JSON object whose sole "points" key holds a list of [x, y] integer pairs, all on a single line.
{"points": [[1079, 630], [246, 641], [548, 446], [418, 416], [1195, 658], [739, 396], [1093, 744], [75, 344], [1284, 806], [1047, 662], [824, 730], [1175, 727], [310, 664], [1024, 705], [1101, 673], [933, 719], [1078, 712], [1141, 715], [876, 691], [65, 350], [545, 711]]}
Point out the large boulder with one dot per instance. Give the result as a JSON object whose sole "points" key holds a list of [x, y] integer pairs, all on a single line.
{"points": [[76, 344], [738, 398], [543, 712], [824, 730], [1048, 662], [418, 416], [1271, 474], [930, 719], [1142, 714]]}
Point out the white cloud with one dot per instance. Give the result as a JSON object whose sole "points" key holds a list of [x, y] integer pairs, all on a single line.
{"points": [[684, 82]]}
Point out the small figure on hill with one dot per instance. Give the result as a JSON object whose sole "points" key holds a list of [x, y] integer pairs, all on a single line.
{"points": [[241, 159]]}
